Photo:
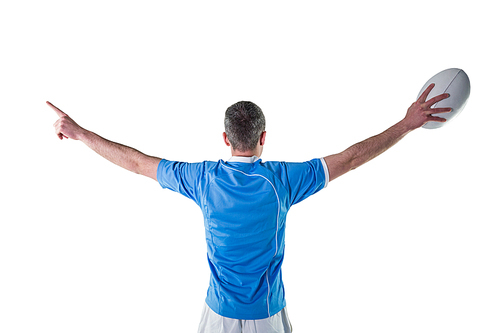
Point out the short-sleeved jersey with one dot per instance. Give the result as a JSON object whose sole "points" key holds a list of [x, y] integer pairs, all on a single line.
{"points": [[244, 203]]}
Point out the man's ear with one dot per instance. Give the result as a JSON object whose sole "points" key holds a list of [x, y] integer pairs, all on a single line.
{"points": [[262, 138], [226, 140]]}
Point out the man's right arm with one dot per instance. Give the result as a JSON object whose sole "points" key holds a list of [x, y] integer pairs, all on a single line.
{"points": [[121, 155], [417, 115]]}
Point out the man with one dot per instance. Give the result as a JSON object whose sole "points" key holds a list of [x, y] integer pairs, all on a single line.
{"points": [[244, 203]]}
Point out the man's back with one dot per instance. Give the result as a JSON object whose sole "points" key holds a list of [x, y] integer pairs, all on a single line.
{"points": [[244, 203]]}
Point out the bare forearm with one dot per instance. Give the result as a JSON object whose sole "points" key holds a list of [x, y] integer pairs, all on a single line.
{"points": [[417, 115], [366, 150], [121, 155]]}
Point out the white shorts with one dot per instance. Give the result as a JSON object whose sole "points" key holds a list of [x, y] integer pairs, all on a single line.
{"points": [[211, 322]]}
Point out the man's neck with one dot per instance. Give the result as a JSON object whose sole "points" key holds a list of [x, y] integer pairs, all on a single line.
{"points": [[248, 153]]}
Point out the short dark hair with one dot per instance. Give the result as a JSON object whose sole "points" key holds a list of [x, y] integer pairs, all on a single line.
{"points": [[244, 122]]}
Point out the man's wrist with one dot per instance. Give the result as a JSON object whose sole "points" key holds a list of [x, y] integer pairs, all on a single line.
{"points": [[406, 126], [84, 135]]}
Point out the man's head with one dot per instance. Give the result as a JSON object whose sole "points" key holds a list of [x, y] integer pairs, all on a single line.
{"points": [[245, 126]]}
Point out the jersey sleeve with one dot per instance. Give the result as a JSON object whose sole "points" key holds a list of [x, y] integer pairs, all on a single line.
{"points": [[181, 177], [306, 179]]}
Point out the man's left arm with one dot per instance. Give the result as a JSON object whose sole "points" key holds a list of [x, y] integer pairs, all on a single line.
{"points": [[121, 155], [358, 154]]}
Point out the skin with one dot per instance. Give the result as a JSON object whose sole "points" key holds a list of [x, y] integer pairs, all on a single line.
{"points": [[418, 114]]}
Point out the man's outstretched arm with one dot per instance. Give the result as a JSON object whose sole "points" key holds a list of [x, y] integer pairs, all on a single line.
{"points": [[126, 157], [417, 115]]}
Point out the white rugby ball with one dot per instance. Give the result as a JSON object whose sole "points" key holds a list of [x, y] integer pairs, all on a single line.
{"points": [[453, 81]]}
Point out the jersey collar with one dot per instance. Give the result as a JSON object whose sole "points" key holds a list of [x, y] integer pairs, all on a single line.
{"points": [[243, 159]]}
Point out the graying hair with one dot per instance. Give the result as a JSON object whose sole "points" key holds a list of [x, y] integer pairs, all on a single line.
{"points": [[244, 122]]}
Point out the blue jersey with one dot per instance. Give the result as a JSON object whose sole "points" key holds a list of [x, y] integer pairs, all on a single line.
{"points": [[244, 203]]}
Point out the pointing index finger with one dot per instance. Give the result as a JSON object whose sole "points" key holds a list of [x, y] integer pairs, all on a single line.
{"points": [[59, 112]]}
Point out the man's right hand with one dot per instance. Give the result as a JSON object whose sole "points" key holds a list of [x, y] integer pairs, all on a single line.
{"points": [[420, 112], [65, 126]]}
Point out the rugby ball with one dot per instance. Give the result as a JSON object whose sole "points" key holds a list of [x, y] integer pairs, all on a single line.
{"points": [[455, 82]]}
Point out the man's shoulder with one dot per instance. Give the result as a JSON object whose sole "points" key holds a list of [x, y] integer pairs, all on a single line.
{"points": [[287, 164]]}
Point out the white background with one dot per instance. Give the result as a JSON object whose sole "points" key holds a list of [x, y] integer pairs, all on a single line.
{"points": [[407, 243]]}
